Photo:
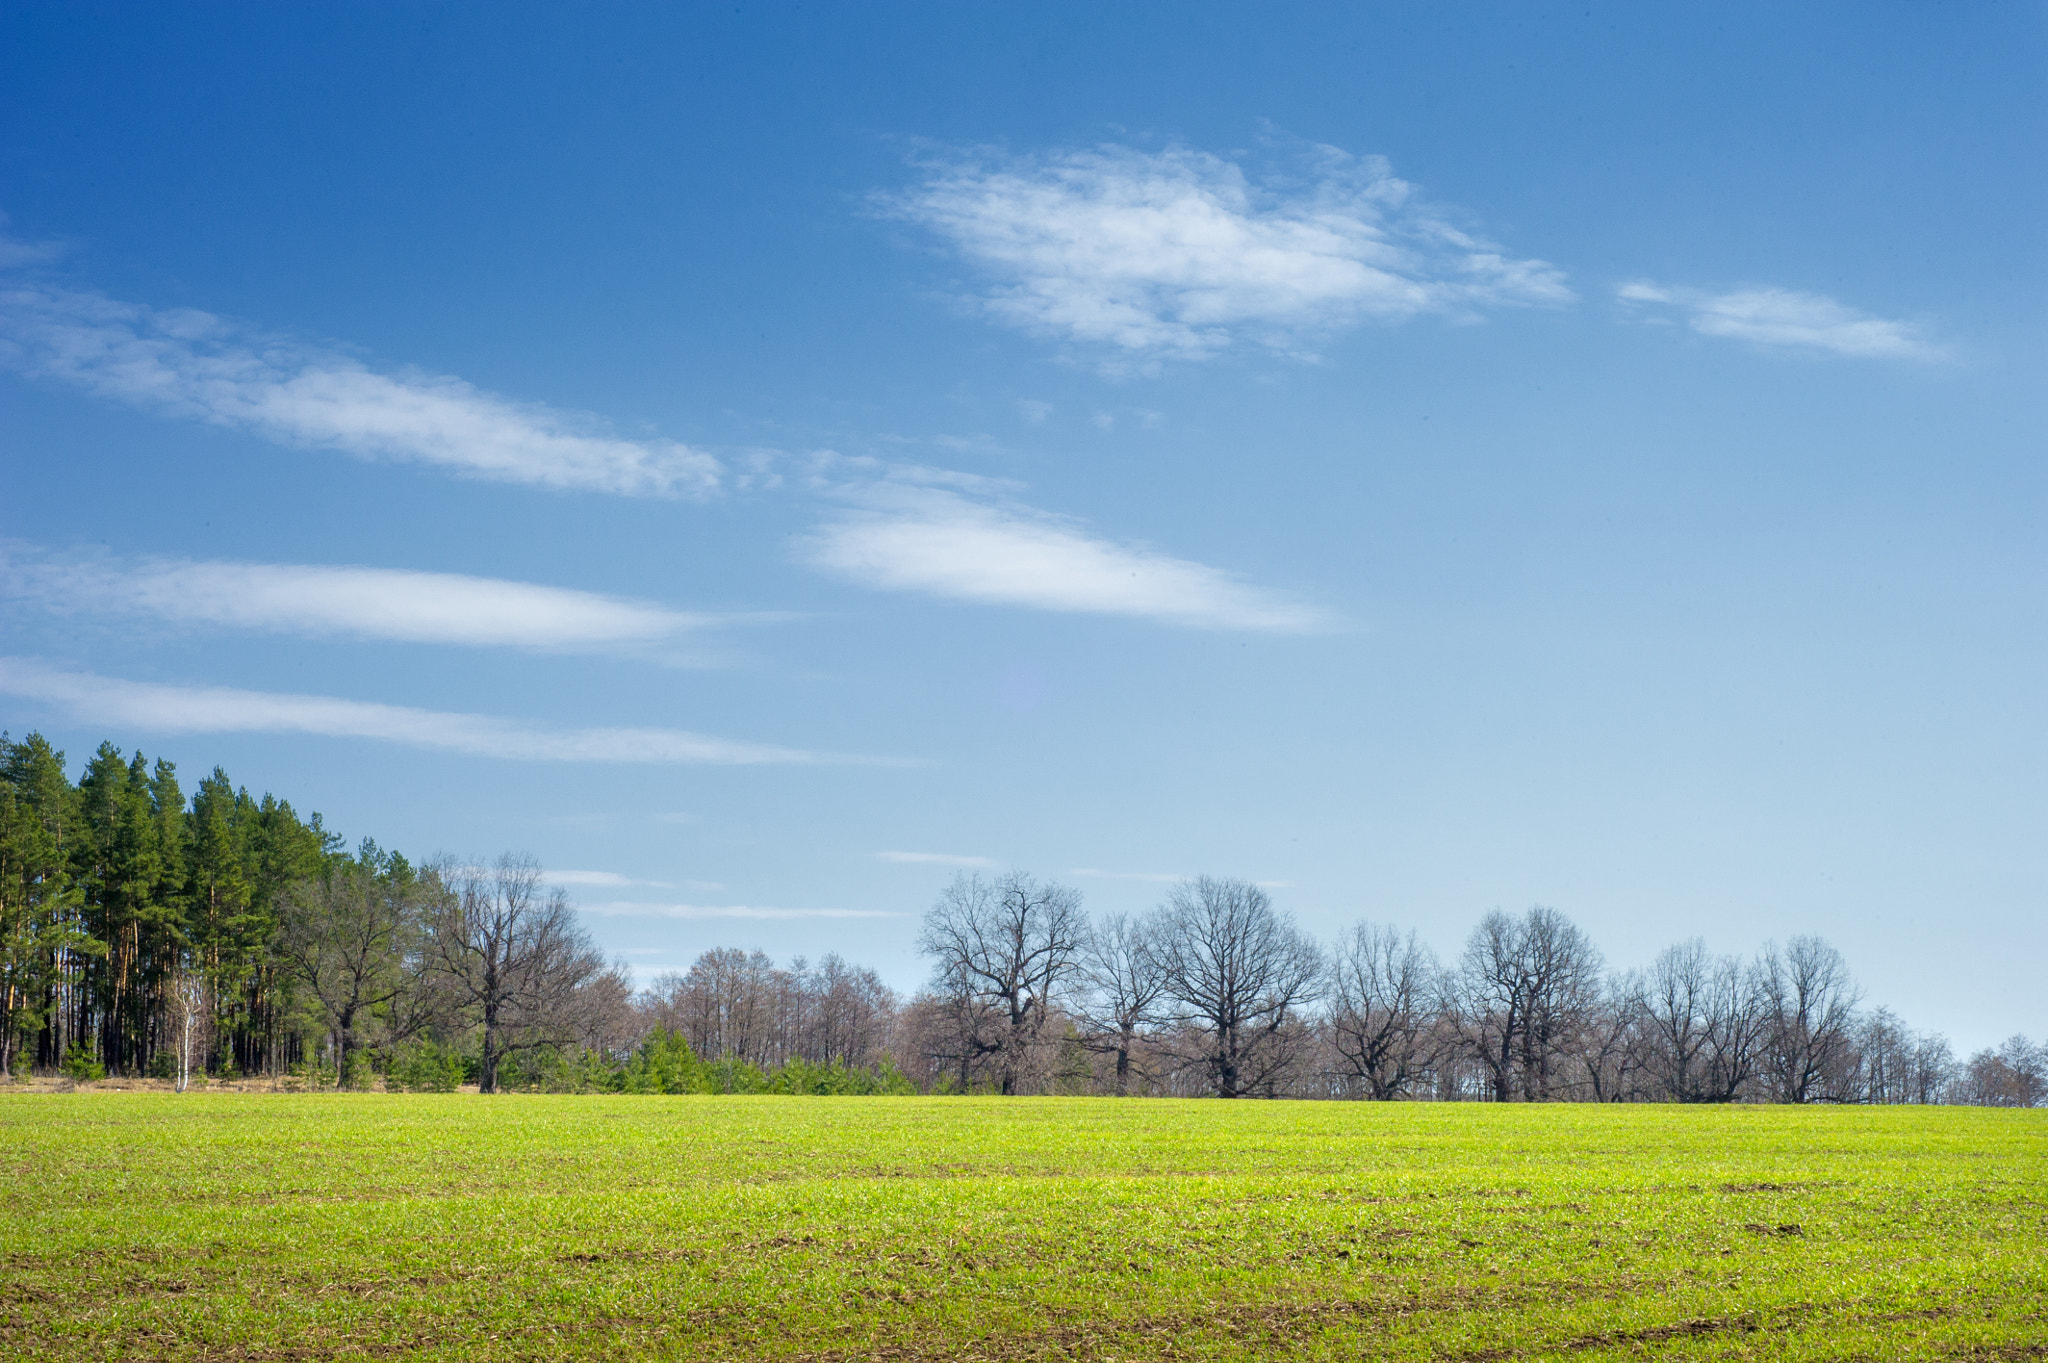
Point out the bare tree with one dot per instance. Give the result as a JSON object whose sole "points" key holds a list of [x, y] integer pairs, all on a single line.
{"points": [[1013, 944], [726, 1004], [1707, 1020], [603, 1014], [741, 1004], [1124, 987], [1933, 1069], [955, 1030], [1382, 988], [2014, 1075], [1676, 996], [1563, 985], [1613, 1049], [1240, 972], [847, 1013], [1487, 1002], [1523, 989], [350, 938], [512, 955], [1736, 1028], [1811, 1002]]}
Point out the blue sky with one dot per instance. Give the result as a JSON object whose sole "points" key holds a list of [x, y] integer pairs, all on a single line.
{"points": [[1429, 458]]}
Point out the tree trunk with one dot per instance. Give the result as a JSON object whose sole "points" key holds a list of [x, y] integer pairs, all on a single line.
{"points": [[487, 1064]]}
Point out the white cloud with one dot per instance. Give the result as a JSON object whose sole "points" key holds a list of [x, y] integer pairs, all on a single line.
{"points": [[937, 859], [192, 709], [625, 909], [192, 364], [1181, 254], [1786, 319], [932, 541], [367, 603], [598, 879], [15, 252]]}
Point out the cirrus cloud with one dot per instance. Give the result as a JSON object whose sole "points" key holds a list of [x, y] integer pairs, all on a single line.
{"points": [[193, 364], [936, 859], [943, 544], [353, 601], [152, 706], [1784, 319], [1181, 254]]}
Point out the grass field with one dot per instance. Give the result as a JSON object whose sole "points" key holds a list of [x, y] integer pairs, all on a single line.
{"points": [[458, 1227]]}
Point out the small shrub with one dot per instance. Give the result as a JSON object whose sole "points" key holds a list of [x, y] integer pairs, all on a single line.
{"points": [[838, 1079], [163, 1065], [664, 1063], [426, 1067], [80, 1065], [730, 1074], [358, 1074]]}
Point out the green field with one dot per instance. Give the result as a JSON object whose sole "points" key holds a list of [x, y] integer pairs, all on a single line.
{"points": [[444, 1227]]}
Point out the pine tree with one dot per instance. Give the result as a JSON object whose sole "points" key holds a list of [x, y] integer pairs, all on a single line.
{"points": [[40, 934]]}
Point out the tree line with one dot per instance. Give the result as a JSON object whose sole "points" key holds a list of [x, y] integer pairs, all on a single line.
{"points": [[1217, 992], [142, 933]]}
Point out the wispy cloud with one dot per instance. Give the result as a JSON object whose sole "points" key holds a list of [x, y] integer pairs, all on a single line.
{"points": [[1784, 319], [364, 603], [937, 542], [627, 909], [193, 364], [1181, 254], [600, 880], [1150, 877], [937, 859], [15, 251], [190, 709]]}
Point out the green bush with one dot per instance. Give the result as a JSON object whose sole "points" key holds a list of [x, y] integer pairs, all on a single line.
{"points": [[81, 1065], [163, 1065], [838, 1079], [314, 1074], [664, 1063], [730, 1074], [547, 1070], [358, 1073], [426, 1067]]}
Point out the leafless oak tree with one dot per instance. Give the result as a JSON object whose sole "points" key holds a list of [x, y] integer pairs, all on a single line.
{"points": [[1240, 972], [1006, 951], [1121, 968], [512, 954], [1523, 988], [1811, 1006], [1611, 1053], [1707, 1023], [351, 939], [1383, 987]]}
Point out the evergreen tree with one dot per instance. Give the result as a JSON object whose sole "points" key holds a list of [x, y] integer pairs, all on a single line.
{"points": [[41, 935]]}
